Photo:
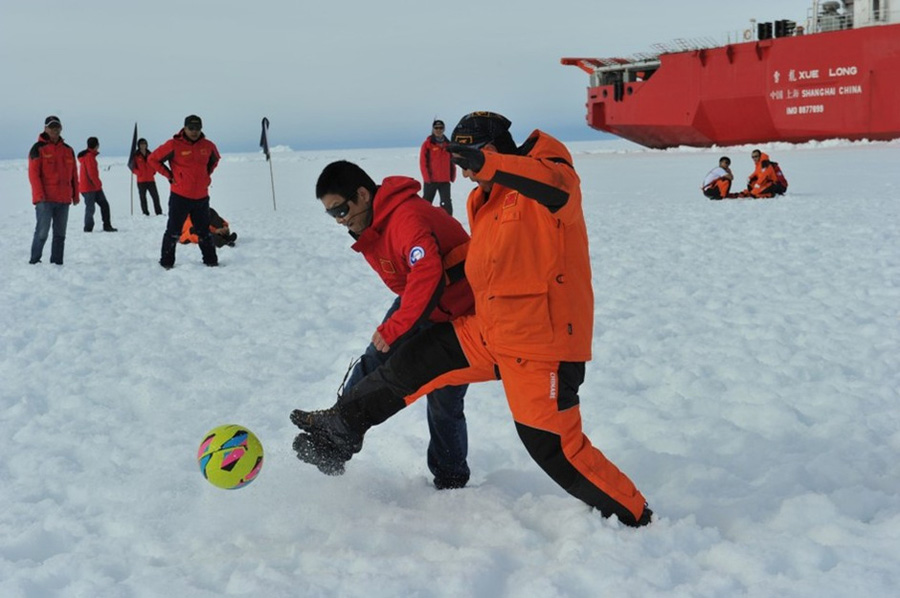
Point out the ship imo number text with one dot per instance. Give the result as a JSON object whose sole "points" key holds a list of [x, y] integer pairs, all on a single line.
{"points": [[819, 92]]}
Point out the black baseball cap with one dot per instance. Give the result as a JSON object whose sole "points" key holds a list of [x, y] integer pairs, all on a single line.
{"points": [[480, 128], [51, 121], [193, 121]]}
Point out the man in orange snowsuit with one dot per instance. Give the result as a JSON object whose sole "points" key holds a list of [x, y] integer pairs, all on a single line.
{"points": [[763, 182], [529, 269]]}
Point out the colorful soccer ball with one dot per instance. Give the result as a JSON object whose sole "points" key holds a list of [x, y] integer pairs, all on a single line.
{"points": [[230, 456]]}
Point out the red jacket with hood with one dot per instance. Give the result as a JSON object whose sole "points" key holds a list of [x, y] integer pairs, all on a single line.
{"points": [[190, 164], [89, 179], [434, 161], [52, 171], [142, 168], [418, 251]]}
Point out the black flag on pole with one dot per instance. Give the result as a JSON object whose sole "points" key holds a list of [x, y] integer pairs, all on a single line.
{"points": [[263, 140], [133, 149]]}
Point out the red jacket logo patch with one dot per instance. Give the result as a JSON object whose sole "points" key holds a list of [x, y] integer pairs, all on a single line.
{"points": [[510, 200], [387, 266]]}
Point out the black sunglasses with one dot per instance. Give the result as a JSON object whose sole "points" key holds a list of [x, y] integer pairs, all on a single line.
{"points": [[340, 210]]}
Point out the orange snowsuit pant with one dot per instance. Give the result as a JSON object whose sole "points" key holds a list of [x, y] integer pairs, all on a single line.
{"points": [[543, 400], [718, 189]]}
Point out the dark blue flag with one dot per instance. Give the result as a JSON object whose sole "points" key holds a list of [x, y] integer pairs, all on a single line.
{"points": [[263, 140], [133, 151]]}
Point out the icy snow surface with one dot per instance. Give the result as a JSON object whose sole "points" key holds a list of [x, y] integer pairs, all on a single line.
{"points": [[745, 375]]}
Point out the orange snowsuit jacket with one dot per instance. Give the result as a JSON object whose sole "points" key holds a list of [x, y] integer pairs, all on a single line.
{"points": [[762, 178], [545, 310]]}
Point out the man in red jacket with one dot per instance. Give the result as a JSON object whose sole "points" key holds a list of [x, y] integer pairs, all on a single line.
{"points": [[418, 251], [438, 171], [146, 182], [91, 187], [54, 186], [191, 159]]}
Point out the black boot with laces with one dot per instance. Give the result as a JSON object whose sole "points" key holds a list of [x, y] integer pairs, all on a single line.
{"points": [[328, 441]]}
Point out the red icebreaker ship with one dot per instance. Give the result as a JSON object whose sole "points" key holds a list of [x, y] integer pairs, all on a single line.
{"points": [[836, 77]]}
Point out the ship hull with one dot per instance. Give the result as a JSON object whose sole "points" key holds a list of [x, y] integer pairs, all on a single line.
{"points": [[841, 84]]}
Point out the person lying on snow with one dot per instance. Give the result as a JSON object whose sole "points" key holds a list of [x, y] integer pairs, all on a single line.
{"points": [[218, 228]]}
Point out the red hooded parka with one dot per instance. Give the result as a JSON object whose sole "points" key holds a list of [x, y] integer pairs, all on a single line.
{"points": [[414, 247]]}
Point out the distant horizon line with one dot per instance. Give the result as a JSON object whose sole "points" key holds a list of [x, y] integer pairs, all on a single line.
{"points": [[229, 149]]}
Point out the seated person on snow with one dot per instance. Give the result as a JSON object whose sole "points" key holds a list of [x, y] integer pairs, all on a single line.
{"points": [[218, 227], [767, 179], [717, 183]]}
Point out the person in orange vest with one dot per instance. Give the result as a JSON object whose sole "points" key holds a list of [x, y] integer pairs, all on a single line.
{"points": [[218, 228], [146, 178], [438, 171], [53, 174], [717, 183], [529, 268]]}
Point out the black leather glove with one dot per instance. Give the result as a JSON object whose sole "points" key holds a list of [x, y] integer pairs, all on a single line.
{"points": [[466, 157]]}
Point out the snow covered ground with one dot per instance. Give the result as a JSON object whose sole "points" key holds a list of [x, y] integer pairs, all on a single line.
{"points": [[746, 376]]}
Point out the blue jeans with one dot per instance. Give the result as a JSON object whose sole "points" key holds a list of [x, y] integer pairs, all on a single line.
{"points": [[449, 442], [48, 212]]}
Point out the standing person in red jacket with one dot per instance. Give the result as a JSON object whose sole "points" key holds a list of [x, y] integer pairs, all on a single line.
{"points": [[54, 186], [191, 159], [146, 181], [438, 171], [91, 187], [419, 252]]}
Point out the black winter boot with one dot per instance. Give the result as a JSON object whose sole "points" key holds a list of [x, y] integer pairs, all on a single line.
{"points": [[208, 249], [167, 252], [316, 451], [329, 440]]}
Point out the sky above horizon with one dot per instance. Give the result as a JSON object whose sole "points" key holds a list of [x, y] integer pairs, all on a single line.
{"points": [[349, 74]]}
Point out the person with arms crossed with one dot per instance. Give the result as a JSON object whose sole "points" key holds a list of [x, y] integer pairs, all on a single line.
{"points": [[146, 178]]}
